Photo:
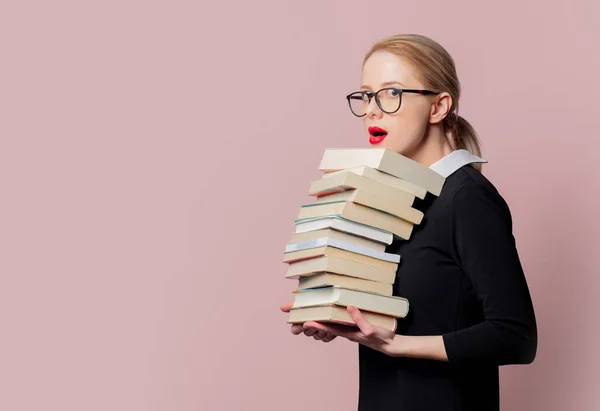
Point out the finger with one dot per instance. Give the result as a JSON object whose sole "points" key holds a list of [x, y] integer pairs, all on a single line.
{"points": [[297, 329], [322, 334], [319, 335], [366, 327], [309, 332], [335, 329], [325, 336], [286, 307]]}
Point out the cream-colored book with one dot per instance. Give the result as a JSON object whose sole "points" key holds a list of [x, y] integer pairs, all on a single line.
{"points": [[337, 314], [358, 213], [374, 201], [381, 177], [338, 265], [348, 181], [385, 160], [389, 305], [325, 278], [304, 254]]}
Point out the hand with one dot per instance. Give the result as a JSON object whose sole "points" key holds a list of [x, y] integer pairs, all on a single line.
{"points": [[309, 332], [378, 338]]}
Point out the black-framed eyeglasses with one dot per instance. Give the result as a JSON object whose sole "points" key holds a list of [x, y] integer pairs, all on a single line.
{"points": [[388, 99]]}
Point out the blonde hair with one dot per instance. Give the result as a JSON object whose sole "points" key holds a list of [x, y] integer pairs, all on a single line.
{"points": [[435, 68]]}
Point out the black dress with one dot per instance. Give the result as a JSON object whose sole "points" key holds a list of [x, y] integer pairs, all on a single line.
{"points": [[461, 274]]}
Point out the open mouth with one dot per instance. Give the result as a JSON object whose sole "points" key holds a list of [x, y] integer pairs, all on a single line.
{"points": [[376, 134]]}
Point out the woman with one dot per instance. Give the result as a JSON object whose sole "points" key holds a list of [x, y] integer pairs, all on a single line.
{"points": [[471, 309]]}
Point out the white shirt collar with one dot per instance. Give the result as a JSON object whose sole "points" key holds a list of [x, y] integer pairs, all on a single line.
{"points": [[453, 161]]}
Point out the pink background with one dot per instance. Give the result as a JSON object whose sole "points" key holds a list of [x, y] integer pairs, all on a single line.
{"points": [[154, 156]]}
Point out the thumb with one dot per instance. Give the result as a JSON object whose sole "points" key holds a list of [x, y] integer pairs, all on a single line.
{"points": [[366, 327], [286, 307]]}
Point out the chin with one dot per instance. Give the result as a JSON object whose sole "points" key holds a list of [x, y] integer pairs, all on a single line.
{"points": [[389, 144]]}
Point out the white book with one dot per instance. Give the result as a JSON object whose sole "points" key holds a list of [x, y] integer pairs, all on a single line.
{"points": [[342, 245], [347, 226], [338, 235]]}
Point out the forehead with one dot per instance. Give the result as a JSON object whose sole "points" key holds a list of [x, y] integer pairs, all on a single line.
{"points": [[383, 66]]}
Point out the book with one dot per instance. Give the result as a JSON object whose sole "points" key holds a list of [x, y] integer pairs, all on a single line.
{"points": [[381, 177], [358, 213], [325, 278], [376, 202], [338, 265], [348, 181], [342, 245], [337, 235], [363, 202], [384, 160], [388, 305], [347, 226], [337, 314], [293, 256]]}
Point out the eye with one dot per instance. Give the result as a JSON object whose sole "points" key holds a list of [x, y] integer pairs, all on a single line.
{"points": [[392, 93]]}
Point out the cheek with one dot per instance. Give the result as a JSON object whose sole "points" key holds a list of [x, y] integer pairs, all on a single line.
{"points": [[408, 125]]}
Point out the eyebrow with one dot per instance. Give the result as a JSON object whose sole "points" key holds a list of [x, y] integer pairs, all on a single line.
{"points": [[386, 83]]}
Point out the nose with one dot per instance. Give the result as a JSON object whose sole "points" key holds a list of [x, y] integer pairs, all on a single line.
{"points": [[373, 110]]}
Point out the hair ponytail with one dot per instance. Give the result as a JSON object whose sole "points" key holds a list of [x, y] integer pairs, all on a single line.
{"points": [[462, 135]]}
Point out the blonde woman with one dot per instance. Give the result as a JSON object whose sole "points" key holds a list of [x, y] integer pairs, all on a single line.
{"points": [[471, 309]]}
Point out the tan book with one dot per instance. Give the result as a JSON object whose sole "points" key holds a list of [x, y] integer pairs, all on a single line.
{"points": [[348, 181], [374, 201], [324, 279], [358, 213], [294, 256], [381, 177], [338, 235], [338, 265], [385, 160], [337, 314], [388, 305]]}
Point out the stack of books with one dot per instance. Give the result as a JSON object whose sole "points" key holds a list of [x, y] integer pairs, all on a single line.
{"points": [[363, 202]]}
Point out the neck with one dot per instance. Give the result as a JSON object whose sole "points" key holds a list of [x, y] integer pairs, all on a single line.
{"points": [[434, 147]]}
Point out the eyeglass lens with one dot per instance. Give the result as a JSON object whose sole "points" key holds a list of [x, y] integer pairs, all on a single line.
{"points": [[389, 101]]}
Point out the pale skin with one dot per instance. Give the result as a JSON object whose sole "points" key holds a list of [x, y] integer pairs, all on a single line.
{"points": [[415, 131]]}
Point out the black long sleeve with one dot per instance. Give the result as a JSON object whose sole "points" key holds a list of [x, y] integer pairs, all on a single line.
{"points": [[484, 246], [461, 274]]}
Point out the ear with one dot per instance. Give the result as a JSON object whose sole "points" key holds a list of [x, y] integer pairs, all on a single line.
{"points": [[440, 108]]}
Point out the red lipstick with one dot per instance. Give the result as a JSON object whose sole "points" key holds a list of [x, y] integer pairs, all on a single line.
{"points": [[376, 134]]}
